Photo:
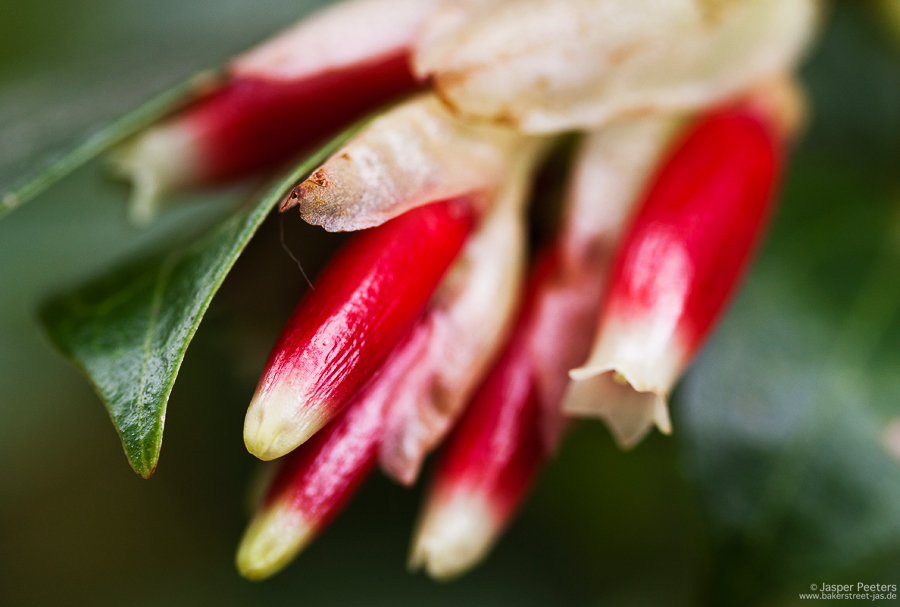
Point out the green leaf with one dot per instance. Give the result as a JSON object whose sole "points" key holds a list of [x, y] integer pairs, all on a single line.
{"points": [[104, 139], [128, 331]]}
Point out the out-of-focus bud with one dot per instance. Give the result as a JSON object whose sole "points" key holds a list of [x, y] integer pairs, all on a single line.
{"points": [[679, 263], [467, 322], [342, 332], [611, 167], [279, 98], [488, 463], [317, 479], [550, 65], [513, 424], [414, 154]]}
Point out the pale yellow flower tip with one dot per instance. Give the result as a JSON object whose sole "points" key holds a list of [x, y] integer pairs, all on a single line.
{"points": [[274, 537], [276, 424]]}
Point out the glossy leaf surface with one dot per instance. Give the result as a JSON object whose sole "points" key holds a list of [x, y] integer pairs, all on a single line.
{"points": [[128, 331]]}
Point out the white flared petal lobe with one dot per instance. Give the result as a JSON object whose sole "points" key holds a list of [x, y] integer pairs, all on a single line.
{"points": [[415, 154], [551, 65], [455, 533], [628, 413], [627, 379], [273, 538], [610, 170], [467, 321], [338, 36]]}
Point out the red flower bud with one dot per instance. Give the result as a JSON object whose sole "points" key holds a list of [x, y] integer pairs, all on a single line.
{"points": [[490, 460], [677, 267], [312, 485], [280, 98], [255, 122], [318, 478], [342, 332], [514, 422]]}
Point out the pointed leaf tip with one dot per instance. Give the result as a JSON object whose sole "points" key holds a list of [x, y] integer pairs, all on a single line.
{"points": [[129, 330]]}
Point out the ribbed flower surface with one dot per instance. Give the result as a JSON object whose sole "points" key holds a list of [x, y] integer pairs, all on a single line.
{"points": [[343, 331]]}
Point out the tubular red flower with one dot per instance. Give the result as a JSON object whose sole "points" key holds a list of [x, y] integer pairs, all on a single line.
{"points": [[611, 168], [467, 323], [310, 489], [514, 421], [343, 331], [280, 98], [489, 461], [678, 265], [316, 480]]}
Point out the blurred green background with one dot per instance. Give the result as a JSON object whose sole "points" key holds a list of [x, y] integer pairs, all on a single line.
{"points": [[780, 473]]}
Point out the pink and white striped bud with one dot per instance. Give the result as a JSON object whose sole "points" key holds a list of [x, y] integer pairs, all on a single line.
{"points": [[320, 476], [316, 480], [415, 153], [551, 65], [680, 262], [342, 332], [513, 424], [279, 98], [467, 323]]}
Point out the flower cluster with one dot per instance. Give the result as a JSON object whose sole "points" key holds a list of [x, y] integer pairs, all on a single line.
{"points": [[430, 320]]}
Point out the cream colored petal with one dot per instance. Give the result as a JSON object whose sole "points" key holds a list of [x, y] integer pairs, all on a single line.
{"points": [[468, 320], [628, 376], [611, 169], [609, 174], [455, 533], [415, 154], [162, 161], [628, 412], [551, 65]]}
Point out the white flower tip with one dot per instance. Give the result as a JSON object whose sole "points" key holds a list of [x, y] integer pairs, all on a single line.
{"points": [[157, 163], [272, 540], [454, 535], [629, 408], [277, 423]]}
